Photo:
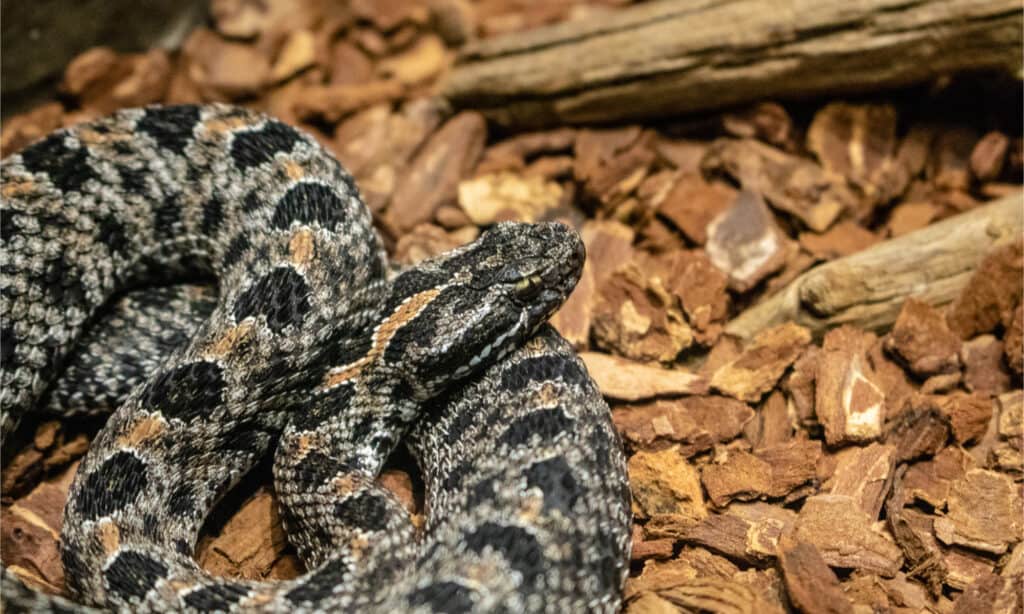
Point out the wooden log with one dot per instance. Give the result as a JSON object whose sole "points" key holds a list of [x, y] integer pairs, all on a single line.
{"points": [[677, 56], [868, 288]]}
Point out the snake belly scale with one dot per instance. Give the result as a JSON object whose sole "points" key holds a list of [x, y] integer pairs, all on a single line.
{"points": [[311, 350]]}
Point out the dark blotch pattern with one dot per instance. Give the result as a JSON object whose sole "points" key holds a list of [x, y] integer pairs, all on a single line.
{"points": [[517, 545], [321, 583], [235, 250], [365, 511], [114, 485], [186, 392], [8, 344], [133, 180], [133, 574], [63, 281], [281, 295], [170, 127], [213, 216], [67, 168], [309, 203], [112, 234], [545, 423], [218, 597], [167, 215], [255, 147], [555, 479], [447, 597], [315, 469], [541, 369]]}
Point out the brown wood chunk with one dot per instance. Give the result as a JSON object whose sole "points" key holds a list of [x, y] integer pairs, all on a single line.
{"points": [[628, 380], [845, 535], [789, 183], [692, 203], [433, 176], [252, 545], [810, 584], [992, 292], [666, 486], [849, 401], [859, 142], [842, 239], [989, 156], [921, 337], [984, 370], [990, 594], [487, 199], [771, 472], [762, 363], [637, 317], [984, 512], [865, 475], [745, 242], [696, 423]]}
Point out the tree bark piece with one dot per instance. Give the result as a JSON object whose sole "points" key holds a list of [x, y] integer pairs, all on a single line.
{"points": [[679, 56], [867, 289]]}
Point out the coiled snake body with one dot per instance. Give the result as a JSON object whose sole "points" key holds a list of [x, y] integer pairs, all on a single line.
{"points": [[309, 345]]}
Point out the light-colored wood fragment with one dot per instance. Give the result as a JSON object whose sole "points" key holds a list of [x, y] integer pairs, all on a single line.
{"points": [[678, 56], [867, 289]]}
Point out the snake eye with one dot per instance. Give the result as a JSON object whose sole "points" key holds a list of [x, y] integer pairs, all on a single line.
{"points": [[528, 288]]}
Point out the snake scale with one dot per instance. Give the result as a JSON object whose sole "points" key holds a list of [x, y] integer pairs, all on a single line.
{"points": [[312, 350]]}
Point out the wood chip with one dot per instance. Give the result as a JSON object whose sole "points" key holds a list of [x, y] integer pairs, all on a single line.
{"points": [[696, 423], [297, 54], [747, 532], [984, 370], [421, 62], [504, 196], [252, 545], [637, 317], [224, 70], [990, 594], [859, 143], [842, 239], [849, 402], [434, 174], [745, 242], [789, 183], [921, 337], [910, 216], [989, 156], [628, 380], [846, 536], [104, 81], [765, 121], [30, 533], [984, 512], [762, 363], [865, 475], [692, 203], [666, 485], [331, 103], [810, 584], [993, 290], [426, 241], [769, 473]]}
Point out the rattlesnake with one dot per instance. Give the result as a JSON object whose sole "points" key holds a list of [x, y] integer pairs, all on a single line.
{"points": [[314, 345]]}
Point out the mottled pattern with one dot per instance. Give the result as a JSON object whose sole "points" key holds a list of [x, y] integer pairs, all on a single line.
{"points": [[308, 344]]}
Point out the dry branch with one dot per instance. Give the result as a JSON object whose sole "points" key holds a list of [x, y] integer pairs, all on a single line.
{"points": [[678, 56], [867, 289]]}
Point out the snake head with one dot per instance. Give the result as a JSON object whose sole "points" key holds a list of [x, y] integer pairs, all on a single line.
{"points": [[475, 304]]}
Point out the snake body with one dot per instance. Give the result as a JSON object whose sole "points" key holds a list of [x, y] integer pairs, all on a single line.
{"points": [[310, 350]]}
